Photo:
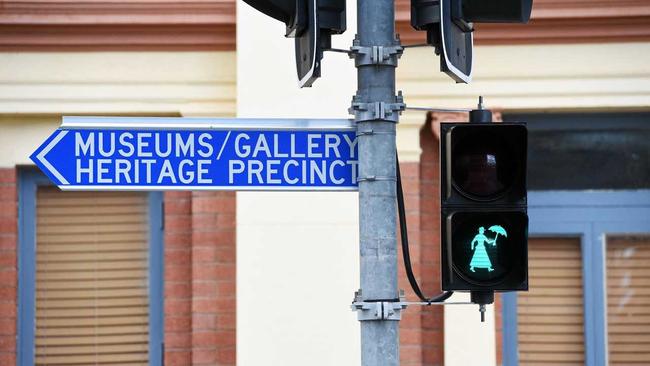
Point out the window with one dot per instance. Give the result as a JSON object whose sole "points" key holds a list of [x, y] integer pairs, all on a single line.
{"points": [[578, 151], [628, 299], [550, 315], [90, 276]]}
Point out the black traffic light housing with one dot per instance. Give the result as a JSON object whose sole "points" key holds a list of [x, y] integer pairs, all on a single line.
{"points": [[484, 221], [311, 23], [449, 27]]}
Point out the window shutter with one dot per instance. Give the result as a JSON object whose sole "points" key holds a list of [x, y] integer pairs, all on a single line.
{"points": [[628, 296], [550, 320], [91, 278]]}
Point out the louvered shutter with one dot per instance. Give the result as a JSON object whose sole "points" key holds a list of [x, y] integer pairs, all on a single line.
{"points": [[628, 300], [91, 278], [550, 320]]}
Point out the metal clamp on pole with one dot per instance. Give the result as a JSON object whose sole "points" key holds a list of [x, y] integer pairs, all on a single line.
{"points": [[375, 55], [374, 178], [377, 110], [378, 309]]}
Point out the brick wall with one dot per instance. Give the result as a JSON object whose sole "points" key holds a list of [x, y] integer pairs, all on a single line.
{"points": [[421, 328], [200, 273], [8, 274], [432, 317]]}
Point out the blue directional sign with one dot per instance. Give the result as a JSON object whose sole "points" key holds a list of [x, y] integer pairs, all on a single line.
{"points": [[123, 153]]}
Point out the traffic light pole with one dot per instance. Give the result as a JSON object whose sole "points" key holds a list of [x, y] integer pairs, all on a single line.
{"points": [[376, 109]]}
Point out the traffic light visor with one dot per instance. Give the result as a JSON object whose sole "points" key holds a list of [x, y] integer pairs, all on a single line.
{"points": [[282, 10]]}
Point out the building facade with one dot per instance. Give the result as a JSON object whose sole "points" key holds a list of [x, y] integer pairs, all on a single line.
{"points": [[253, 278]]}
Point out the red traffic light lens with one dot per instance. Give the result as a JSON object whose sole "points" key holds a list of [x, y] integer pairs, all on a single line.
{"points": [[484, 165]]}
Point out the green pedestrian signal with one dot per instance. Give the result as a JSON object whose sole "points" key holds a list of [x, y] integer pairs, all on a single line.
{"points": [[480, 259], [481, 253]]}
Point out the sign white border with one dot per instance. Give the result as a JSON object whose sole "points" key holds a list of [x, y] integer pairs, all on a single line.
{"points": [[200, 123]]}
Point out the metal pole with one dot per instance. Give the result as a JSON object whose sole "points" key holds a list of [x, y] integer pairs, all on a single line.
{"points": [[377, 200]]}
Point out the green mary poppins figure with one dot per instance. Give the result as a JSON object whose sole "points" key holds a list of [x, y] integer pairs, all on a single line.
{"points": [[480, 258]]}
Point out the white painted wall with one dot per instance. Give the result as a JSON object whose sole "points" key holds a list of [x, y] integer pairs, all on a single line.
{"points": [[297, 253], [467, 340]]}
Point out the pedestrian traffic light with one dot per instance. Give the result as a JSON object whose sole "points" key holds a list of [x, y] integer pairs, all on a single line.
{"points": [[484, 223], [449, 27], [311, 23]]}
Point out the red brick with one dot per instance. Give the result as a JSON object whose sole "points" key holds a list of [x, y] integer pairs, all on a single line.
{"points": [[177, 240], [8, 358], [7, 241], [204, 289], [227, 220], [178, 323], [178, 222], [227, 356], [205, 220], [433, 356], [432, 319], [177, 195], [7, 293], [8, 224], [177, 306], [204, 306], [7, 175], [216, 254], [227, 288], [7, 343], [214, 237], [177, 273], [410, 355], [7, 259], [213, 305], [227, 321], [213, 204], [8, 194], [204, 356], [410, 337], [7, 278], [178, 257], [178, 340], [177, 358], [177, 290], [204, 322], [8, 326], [214, 272], [410, 319], [204, 339], [226, 338]]}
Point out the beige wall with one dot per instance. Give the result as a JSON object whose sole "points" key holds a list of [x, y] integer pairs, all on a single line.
{"points": [[538, 77], [37, 88]]}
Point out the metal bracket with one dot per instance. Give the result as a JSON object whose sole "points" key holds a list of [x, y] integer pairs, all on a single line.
{"points": [[374, 178], [375, 55], [377, 110], [373, 132], [378, 310]]}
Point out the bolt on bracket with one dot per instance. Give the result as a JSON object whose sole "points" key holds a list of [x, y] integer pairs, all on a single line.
{"points": [[377, 110], [375, 55], [378, 310]]}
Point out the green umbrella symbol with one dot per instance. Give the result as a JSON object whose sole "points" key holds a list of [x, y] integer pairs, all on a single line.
{"points": [[496, 229]]}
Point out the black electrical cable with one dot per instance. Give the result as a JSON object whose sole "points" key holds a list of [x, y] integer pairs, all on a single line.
{"points": [[405, 245]]}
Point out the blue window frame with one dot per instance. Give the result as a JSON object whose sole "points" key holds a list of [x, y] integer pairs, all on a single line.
{"points": [[589, 215], [29, 181]]}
